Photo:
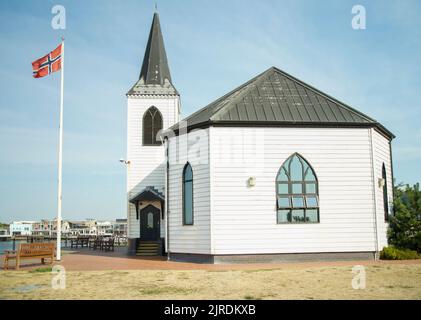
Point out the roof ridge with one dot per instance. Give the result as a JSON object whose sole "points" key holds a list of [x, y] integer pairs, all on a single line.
{"points": [[327, 96]]}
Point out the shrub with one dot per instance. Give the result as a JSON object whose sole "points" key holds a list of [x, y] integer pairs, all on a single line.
{"points": [[392, 253], [405, 225]]}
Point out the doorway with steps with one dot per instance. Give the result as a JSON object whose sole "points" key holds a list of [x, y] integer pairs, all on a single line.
{"points": [[149, 243]]}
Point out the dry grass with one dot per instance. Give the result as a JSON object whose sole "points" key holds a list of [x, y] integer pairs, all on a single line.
{"points": [[383, 282]]}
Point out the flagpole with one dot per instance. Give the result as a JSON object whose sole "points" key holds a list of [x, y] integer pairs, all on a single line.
{"points": [[60, 155]]}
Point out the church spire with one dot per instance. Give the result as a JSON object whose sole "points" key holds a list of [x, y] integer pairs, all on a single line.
{"points": [[155, 64]]}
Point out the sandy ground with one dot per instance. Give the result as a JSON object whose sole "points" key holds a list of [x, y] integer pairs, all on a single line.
{"points": [[383, 281]]}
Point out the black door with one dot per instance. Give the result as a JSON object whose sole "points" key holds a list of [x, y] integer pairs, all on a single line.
{"points": [[149, 223]]}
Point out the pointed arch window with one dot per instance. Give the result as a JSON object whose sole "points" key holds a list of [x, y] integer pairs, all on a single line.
{"points": [[385, 196], [297, 192], [152, 123], [188, 195]]}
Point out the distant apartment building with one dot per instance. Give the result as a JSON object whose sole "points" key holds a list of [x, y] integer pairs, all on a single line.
{"points": [[41, 228], [104, 228], [21, 228], [49, 227], [98, 228], [120, 227], [82, 228]]}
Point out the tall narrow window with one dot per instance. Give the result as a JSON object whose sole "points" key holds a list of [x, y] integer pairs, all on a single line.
{"points": [[152, 123], [385, 197], [297, 192], [187, 195], [150, 220]]}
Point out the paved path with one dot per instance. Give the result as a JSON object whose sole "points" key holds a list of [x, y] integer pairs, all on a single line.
{"points": [[87, 260]]}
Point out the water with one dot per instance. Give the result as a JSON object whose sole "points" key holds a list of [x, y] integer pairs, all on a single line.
{"points": [[8, 245]]}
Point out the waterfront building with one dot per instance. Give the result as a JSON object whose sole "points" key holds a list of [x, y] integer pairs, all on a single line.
{"points": [[21, 228]]}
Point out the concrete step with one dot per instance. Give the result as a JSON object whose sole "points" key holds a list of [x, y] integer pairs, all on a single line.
{"points": [[148, 248], [147, 254], [147, 251]]}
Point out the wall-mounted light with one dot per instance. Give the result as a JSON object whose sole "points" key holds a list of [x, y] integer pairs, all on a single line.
{"points": [[124, 161], [251, 181], [381, 182]]}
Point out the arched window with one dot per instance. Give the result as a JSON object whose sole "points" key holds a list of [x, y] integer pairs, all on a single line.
{"points": [[297, 192], [187, 195], [152, 123], [150, 220], [385, 197]]}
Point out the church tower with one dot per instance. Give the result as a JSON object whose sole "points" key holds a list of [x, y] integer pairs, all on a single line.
{"points": [[153, 104]]}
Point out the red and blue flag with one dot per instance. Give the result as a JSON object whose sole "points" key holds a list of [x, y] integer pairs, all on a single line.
{"points": [[47, 64]]}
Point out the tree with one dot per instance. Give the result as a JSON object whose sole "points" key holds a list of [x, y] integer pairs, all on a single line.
{"points": [[405, 225]]}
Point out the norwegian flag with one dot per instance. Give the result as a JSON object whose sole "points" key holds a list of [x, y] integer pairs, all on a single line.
{"points": [[47, 64]]}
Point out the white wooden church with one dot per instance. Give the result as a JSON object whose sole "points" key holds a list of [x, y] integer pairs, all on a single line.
{"points": [[274, 170]]}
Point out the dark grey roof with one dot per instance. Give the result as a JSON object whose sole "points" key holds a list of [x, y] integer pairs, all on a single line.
{"points": [[277, 98], [155, 77], [149, 193], [155, 64]]}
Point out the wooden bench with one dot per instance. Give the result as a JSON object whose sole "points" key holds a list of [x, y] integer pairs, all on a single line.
{"points": [[27, 251]]}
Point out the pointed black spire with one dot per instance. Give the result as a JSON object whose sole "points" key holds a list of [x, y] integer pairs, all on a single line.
{"points": [[155, 64]]}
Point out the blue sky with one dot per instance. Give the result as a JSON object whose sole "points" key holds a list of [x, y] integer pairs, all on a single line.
{"points": [[212, 47]]}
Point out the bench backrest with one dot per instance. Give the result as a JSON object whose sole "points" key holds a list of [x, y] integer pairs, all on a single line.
{"points": [[36, 249]]}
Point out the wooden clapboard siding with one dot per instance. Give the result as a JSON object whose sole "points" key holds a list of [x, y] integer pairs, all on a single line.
{"points": [[147, 166], [244, 218], [381, 153], [192, 238]]}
